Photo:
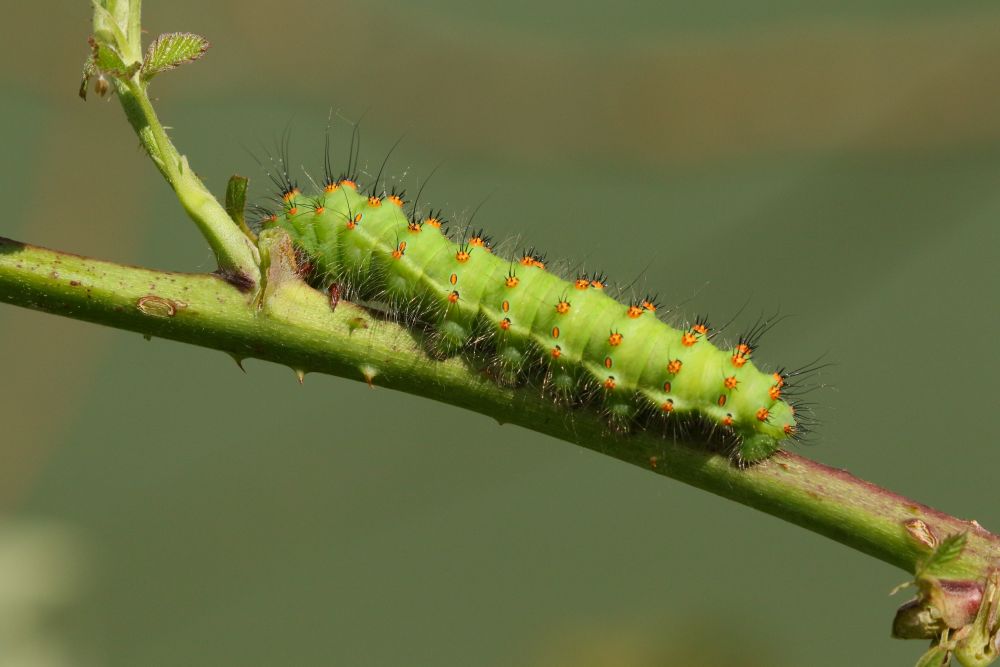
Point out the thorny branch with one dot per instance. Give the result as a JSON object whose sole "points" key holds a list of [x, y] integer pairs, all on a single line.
{"points": [[257, 306]]}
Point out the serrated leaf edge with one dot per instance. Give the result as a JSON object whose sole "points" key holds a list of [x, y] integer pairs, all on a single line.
{"points": [[148, 71]]}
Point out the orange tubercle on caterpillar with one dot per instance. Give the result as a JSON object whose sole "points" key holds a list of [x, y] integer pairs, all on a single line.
{"points": [[615, 339], [374, 201], [400, 249], [674, 366], [562, 307], [649, 305], [505, 323], [433, 222], [348, 183], [319, 210], [688, 339], [582, 283], [330, 187], [763, 414], [668, 405], [727, 420], [730, 382], [531, 260], [414, 227], [556, 352], [462, 256], [511, 281], [290, 194], [609, 384], [700, 327], [774, 393], [741, 354], [397, 200], [453, 297], [634, 311]]}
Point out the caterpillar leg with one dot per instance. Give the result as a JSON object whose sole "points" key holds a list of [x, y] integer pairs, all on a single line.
{"points": [[755, 448]]}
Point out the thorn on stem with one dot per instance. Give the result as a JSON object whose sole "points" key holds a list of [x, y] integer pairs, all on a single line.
{"points": [[239, 362]]}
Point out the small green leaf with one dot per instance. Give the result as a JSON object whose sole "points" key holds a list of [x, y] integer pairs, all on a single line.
{"points": [[172, 50], [950, 548], [236, 198], [107, 60]]}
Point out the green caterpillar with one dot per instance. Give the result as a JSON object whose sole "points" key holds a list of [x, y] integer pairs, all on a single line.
{"points": [[523, 317]]}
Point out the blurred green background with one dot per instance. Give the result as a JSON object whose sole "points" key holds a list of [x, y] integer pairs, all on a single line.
{"points": [[839, 160]]}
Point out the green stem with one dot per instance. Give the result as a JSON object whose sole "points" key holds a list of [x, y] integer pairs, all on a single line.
{"points": [[236, 255], [292, 324], [135, 24]]}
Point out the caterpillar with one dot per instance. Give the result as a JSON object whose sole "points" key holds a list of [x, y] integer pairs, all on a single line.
{"points": [[525, 319]]}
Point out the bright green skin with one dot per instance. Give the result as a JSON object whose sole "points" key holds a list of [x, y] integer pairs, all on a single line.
{"points": [[363, 255]]}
